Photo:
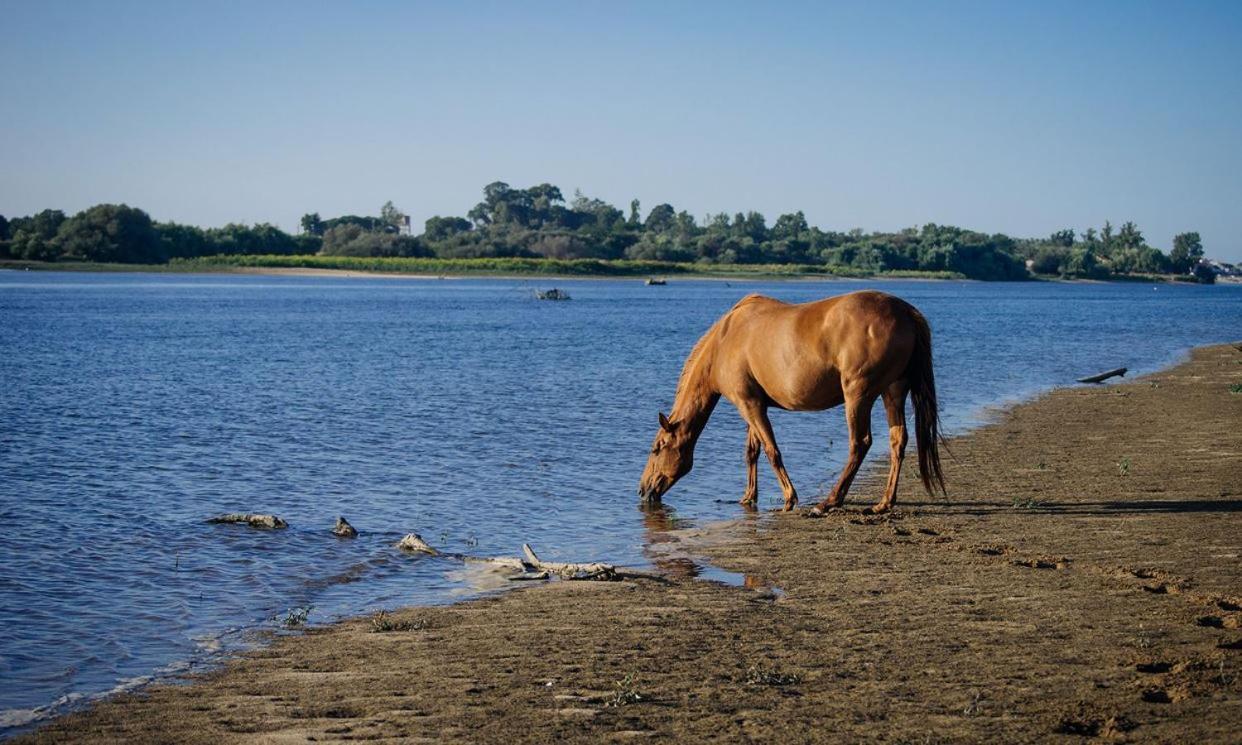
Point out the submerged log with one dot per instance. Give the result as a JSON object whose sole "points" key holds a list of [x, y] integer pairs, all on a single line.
{"points": [[266, 522], [343, 529], [1118, 372]]}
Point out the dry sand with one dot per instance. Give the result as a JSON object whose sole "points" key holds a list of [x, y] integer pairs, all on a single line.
{"points": [[1081, 581]]}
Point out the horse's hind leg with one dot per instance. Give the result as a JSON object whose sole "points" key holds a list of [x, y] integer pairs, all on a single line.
{"points": [[756, 417], [895, 407], [751, 497], [858, 419]]}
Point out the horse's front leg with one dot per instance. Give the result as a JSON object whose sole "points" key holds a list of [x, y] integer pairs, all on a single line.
{"points": [[756, 416], [751, 497]]}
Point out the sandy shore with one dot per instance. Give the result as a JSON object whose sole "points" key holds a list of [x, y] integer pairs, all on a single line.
{"points": [[1082, 580]]}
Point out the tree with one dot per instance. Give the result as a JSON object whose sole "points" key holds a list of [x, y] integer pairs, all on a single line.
{"points": [[755, 227], [634, 206], [1049, 259], [110, 232], [1129, 236], [262, 238], [391, 217], [1063, 238], [311, 224], [440, 228], [181, 241], [1187, 250], [543, 196], [1106, 238], [789, 226], [1080, 262], [661, 219], [366, 223], [32, 237], [353, 240]]}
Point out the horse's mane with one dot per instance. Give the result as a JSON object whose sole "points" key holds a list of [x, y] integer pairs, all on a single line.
{"points": [[692, 367], [693, 361]]}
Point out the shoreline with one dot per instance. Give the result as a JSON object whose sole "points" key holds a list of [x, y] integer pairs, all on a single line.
{"points": [[1061, 587], [675, 273]]}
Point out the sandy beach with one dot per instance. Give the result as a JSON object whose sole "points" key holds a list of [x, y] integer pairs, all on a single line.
{"points": [[1083, 579]]}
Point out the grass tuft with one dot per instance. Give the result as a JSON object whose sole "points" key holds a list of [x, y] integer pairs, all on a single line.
{"points": [[761, 676], [383, 622], [625, 692]]}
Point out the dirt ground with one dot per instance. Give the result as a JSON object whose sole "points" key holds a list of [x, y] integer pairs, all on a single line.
{"points": [[1080, 582]]}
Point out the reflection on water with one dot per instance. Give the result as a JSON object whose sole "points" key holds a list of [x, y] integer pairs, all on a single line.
{"points": [[134, 406], [675, 547], [659, 522]]}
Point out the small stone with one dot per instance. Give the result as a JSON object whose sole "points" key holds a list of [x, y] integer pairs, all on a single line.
{"points": [[343, 529]]}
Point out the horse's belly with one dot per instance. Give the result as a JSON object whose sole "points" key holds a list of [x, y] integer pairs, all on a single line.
{"points": [[807, 392]]}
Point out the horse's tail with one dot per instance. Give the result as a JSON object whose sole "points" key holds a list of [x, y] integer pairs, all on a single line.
{"points": [[922, 383]]}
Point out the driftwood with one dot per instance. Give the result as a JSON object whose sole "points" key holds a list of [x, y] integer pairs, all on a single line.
{"points": [[529, 567], [594, 570], [267, 522], [1119, 372]]}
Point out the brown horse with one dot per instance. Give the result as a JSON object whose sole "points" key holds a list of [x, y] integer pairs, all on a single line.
{"points": [[849, 349]]}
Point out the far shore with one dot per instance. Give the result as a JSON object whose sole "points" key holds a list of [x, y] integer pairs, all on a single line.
{"points": [[196, 267], [1079, 581], [453, 270]]}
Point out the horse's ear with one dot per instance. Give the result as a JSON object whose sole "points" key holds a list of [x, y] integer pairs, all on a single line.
{"points": [[665, 424]]}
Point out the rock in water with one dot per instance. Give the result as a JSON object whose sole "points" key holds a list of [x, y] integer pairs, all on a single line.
{"points": [[415, 544], [267, 522], [343, 529]]}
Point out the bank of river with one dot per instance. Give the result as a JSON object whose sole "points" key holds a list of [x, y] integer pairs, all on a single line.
{"points": [[1081, 579]]}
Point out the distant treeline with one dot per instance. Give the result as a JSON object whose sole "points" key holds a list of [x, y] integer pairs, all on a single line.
{"points": [[538, 223]]}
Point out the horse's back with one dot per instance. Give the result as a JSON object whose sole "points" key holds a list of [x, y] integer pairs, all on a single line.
{"points": [[802, 356]]}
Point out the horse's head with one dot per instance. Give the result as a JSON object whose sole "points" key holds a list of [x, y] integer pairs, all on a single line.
{"points": [[672, 456]]}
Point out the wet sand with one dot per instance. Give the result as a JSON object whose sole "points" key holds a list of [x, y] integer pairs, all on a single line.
{"points": [[1081, 580]]}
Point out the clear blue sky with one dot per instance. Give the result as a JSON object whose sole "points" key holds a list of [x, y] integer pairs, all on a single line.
{"points": [[1019, 118]]}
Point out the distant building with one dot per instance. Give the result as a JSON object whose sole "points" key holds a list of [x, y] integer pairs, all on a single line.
{"points": [[1224, 269]]}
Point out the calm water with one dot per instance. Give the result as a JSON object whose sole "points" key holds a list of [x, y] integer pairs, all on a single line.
{"points": [[135, 406]]}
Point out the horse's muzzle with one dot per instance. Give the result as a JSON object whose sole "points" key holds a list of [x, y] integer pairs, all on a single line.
{"points": [[656, 489]]}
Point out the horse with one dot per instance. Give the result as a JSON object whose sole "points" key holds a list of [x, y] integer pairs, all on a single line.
{"points": [[763, 353]]}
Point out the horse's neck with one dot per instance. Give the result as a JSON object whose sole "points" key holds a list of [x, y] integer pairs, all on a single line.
{"points": [[696, 394]]}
